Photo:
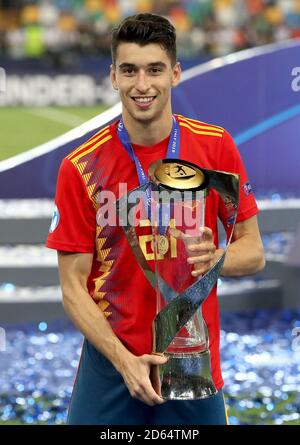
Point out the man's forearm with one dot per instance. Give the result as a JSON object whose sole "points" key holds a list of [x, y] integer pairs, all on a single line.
{"points": [[243, 257], [90, 320], [135, 370]]}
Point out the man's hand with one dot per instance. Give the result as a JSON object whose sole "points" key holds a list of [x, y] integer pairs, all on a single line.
{"points": [[201, 251], [136, 374], [245, 254], [74, 272]]}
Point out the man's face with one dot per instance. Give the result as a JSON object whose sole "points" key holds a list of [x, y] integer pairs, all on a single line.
{"points": [[143, 75]]}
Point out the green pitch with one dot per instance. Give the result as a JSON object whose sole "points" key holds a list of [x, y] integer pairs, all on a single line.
{"points": [[24, 128]]}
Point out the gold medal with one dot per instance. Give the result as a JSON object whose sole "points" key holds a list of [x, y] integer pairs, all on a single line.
{"points": [[177, 175], [162, 244]]}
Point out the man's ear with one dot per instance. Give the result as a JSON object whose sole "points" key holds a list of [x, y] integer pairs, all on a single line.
{"points": [[176, 74], [113, 78]]}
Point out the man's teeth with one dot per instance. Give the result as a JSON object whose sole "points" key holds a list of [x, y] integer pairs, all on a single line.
{"points": [[143, 99]]}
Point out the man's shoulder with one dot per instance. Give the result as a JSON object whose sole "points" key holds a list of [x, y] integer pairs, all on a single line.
{"points": [[90, 147], [200, 128], [81, 165]]}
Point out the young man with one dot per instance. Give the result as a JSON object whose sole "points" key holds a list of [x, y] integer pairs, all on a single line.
{"points": [[104, 290]]}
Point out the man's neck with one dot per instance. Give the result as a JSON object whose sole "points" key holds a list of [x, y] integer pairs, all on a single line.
{"points": [[147, 133]]}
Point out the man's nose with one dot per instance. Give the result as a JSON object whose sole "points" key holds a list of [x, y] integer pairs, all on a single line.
{"points": [[142, 82]]}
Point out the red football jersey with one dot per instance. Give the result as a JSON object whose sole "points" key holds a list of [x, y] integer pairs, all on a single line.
{"points": [[117, 283]]}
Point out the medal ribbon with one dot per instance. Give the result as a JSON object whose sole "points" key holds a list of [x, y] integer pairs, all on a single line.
{"points": [[173, 152]]}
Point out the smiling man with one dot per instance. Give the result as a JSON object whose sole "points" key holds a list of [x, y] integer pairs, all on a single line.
{"points": [[143, 75], [105, 292]]}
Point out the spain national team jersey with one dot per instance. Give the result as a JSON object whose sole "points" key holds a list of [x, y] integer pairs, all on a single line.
{"points": [[117, 283]]}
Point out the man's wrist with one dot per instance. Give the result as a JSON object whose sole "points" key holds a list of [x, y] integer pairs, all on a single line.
{"points": [[120, 357], [218, 254]]}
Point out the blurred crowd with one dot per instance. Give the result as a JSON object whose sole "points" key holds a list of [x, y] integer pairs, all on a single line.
{"points": [[33, 29]]}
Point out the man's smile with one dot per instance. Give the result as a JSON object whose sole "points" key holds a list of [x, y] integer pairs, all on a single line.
{"points": [[143, 101]]}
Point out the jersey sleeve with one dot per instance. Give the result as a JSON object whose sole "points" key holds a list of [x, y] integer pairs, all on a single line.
{"points": [[231, 161], [73, 224]]}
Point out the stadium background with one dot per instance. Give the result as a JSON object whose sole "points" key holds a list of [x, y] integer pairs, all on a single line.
{"points": [[56, 58]]}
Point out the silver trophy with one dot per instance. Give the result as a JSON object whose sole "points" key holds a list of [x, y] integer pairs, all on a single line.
{"points": [[174, 200]]}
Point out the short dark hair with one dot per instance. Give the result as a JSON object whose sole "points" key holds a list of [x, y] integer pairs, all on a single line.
{"points": [[144, 29]]}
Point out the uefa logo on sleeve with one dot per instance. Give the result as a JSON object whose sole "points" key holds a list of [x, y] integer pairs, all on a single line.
{"points": [[247, 188], [55, 220]]}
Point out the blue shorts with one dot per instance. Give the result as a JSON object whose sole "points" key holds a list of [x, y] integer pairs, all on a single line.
{"points": [[100, 397]]}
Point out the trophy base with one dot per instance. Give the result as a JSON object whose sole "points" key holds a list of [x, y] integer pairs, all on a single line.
{"points": [[187, 376]]}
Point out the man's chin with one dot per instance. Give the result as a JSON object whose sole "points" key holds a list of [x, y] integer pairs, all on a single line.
{"points": [[146, 116]]}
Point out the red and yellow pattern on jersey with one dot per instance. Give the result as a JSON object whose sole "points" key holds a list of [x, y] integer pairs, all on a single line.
{"points": [[117, 283]]}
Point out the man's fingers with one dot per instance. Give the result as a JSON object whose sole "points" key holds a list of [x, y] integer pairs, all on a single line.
{"points": [[202, 247], [201, 259], [146, 390], [156, 359], [207, 233], [151, 401], [147, 394], [155, 379], [199, 272]]}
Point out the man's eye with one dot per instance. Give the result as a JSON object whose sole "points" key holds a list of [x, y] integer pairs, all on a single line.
{"points": [[156, 70], [128, 71]]}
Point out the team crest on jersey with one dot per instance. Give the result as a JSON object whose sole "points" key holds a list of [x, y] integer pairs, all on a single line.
{"points": [[55, 220], [247, 188]]}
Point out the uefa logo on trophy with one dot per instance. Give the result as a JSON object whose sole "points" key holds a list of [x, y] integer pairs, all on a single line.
{"points": [[174, 201]]}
